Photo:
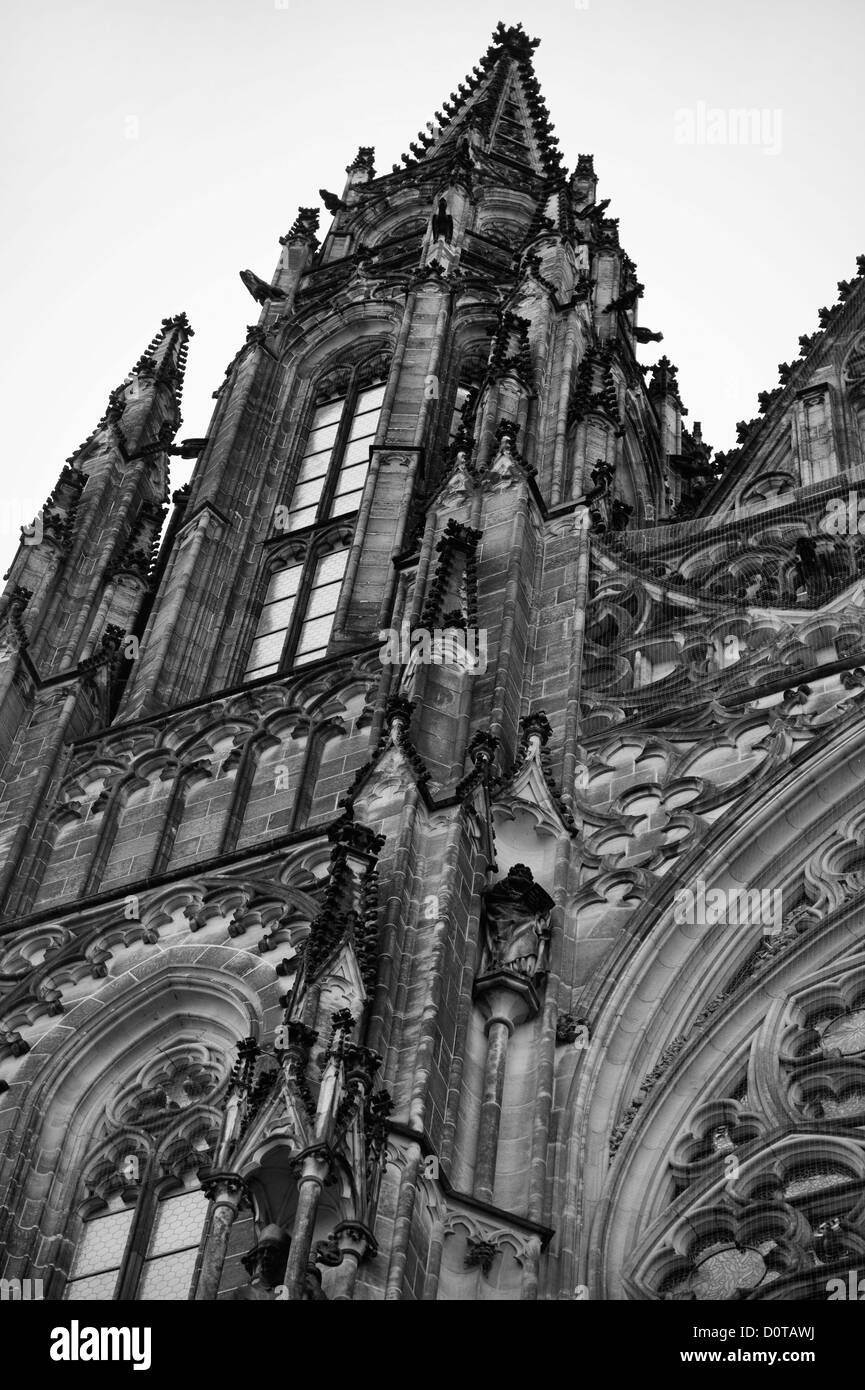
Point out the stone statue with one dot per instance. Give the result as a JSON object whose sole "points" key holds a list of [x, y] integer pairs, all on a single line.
{"points": [[442, 223], [517, 925], [266, 1263]]}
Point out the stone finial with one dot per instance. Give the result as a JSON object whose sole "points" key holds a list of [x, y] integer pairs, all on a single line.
{"points": [[363, 161], [398, 712], [664, 380], [482, 748], [303, 228], [536, 725]]}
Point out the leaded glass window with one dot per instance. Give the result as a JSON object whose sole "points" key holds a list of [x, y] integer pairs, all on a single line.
{"points": [[168, 1233], [335, 459], [296, 619]]}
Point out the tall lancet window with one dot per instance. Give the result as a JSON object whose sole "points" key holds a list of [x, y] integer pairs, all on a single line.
{"points": [[300, 597], [471, 373], [274, 622], [138, 1230], [296, 619], [335, 459], [146, 1252], [320, 609]]}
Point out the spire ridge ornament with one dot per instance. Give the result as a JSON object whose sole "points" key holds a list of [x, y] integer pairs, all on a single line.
{"points": [[303, 228], [363, 160]]}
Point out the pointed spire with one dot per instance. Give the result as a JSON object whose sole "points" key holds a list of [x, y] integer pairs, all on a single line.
{"points": [[498, 104], [163, 361], [119, 527], [664, 379], [303, 228], [363, 162]]}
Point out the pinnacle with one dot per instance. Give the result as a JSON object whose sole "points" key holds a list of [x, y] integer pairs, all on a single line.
{"points": [[513, 40], [163, 358], [501, 100], [795, 371], [178, 321]]}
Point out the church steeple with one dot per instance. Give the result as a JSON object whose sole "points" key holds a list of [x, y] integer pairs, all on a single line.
{"points": [[434, 715], [498, 109]]}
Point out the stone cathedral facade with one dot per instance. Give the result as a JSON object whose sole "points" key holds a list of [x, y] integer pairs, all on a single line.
{"points": [[433, 869]]}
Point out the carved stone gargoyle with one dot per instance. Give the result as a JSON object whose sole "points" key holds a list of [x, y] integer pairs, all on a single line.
{"points": [[516, 922]]}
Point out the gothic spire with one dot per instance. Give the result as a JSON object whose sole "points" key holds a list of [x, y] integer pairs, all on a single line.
{"points": [[498, 109], [107, 504], [159, 371]]}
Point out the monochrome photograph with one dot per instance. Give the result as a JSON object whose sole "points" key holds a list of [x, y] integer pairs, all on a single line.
{"points": [[432, 669]]}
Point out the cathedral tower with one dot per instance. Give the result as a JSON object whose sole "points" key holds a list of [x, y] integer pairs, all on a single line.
{"points": [[433, 870]]}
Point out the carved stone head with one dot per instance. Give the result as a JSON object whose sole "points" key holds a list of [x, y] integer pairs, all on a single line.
{"points": [[267, 1260]]}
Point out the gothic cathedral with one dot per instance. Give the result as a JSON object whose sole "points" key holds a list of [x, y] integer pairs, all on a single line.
{"points": [[433, 856]]}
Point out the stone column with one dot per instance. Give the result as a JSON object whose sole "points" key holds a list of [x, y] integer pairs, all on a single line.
{"points": [[498, 1034], [312, 1168], [531, 1262], [226, 1191], [507, 1000], [356, 1242], [434, 1261]]}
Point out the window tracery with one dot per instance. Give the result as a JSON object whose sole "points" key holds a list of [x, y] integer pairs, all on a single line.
{"points": [[144, 1211]]}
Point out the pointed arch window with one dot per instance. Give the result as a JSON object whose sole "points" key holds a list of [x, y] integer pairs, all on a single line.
{"points": [[145, 1252], [335, 460], [296, 619], [299, 605], [139, 1228], [314, 633], [461, 411], [469, 380], [274, 622]]}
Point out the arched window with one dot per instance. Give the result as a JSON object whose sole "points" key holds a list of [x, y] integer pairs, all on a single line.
{"points": [[335, 460], [297, 616], [144, 1252], [470, 379], [144, 1214], [274, 622], [314, 631]]}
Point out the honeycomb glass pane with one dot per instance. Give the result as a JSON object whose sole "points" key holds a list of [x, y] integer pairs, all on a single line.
{"points": [[97, 1286], [168, 1277], [102, 1243], [178, 1223]]}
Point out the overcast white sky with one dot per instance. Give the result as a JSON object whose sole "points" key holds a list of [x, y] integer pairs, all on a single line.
{"points": [[243, 109]]}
